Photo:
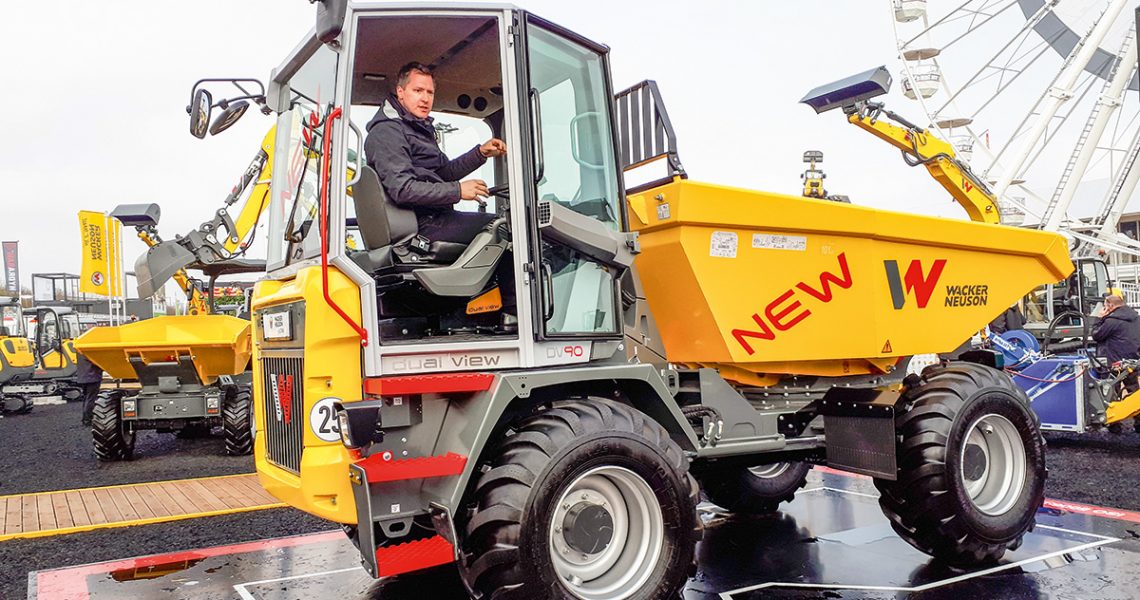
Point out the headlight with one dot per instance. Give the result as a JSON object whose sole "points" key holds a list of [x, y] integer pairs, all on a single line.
{"points": [[342, 425], [129, 406], [212, 402]]}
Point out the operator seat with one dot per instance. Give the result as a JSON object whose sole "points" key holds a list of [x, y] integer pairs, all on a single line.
{"points": [[395, 254], [389, 229]]}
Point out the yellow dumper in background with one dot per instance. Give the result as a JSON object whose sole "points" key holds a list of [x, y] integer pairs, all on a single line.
{"points": [[193, 369]]}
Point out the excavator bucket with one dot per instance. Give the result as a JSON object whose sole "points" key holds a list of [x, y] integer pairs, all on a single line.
{"points": [[217, 344], [158, 265], [759, 284]]}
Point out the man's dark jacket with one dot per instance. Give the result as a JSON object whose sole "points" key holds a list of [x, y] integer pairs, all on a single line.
{"points": [[1118, 335], [86, 371], [415, 173]]}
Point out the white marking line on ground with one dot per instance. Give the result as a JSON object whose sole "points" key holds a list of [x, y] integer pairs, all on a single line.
{"points": [[920, 588], [1102, 541], [246, 595]]}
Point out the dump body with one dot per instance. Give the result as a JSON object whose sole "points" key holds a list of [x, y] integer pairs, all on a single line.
{"points": [[217, 344], [758, 284]]}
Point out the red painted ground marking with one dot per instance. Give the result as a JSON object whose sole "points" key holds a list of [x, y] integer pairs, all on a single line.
{"points": [[1116, 514], [71, 583]]}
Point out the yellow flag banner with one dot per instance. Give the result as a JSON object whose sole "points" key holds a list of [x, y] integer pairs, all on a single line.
{"points": [[101, 273]]}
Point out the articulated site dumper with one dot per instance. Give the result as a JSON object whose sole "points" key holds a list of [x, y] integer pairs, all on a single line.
{"points": [[193, 369], [543, 405]]}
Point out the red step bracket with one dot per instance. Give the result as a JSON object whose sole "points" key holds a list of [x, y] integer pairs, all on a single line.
{"points": [[381, 467], [443, 383], [413, 556]]}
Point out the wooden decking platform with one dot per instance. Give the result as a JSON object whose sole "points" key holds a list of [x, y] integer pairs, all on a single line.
{"points": [[69, 511]]}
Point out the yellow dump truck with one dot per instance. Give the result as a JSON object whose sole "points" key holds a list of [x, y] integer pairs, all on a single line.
{"points": [[543, 404]]}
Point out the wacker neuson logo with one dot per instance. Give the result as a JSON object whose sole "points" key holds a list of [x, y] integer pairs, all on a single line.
{"points": [[921, 282], [918, 281]]}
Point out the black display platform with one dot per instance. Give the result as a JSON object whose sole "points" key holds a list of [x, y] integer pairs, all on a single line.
{"points": [[831, 542]]}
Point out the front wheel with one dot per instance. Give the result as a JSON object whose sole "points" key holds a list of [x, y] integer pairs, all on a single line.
{"points": [[237, 422], [112, 437], [971, 465], [590, 499]]}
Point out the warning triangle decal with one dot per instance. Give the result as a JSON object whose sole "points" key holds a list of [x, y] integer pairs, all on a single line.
{"points": [[887, 347]]}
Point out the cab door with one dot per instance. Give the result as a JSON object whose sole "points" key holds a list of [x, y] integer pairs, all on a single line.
{"points": [[49, 340], [573, 163]]}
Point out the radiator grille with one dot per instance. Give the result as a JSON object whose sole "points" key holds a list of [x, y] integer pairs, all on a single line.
{"points": [[282, 387]]}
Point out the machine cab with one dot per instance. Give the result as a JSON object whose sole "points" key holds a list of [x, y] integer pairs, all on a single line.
{"points": [[56, 330], [1062, 304], [538, 284]]}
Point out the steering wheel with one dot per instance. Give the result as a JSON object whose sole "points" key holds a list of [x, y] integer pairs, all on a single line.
{"points": [[501, 191]]}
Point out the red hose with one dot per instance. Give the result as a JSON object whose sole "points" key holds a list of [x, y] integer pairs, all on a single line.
{"points": [[326, 172]]}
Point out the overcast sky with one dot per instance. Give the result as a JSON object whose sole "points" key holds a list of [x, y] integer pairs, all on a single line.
{"points": [[95, 103]]}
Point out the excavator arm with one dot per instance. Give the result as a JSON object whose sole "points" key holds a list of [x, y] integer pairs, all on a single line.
{"points": [[921, 147], [217, 240]]}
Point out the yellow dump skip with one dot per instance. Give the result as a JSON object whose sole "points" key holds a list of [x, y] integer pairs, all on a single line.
{"points": [[758, 283], [218, 344]]}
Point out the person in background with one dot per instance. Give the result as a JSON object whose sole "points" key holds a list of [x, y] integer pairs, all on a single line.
{"points": [[1007, 321], [89, 376]]}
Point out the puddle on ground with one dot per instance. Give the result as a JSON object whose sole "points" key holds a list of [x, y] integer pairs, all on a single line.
{"points": [[153, 571]]}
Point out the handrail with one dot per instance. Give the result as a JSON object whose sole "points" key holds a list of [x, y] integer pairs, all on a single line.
{"points": [[326, 172]]}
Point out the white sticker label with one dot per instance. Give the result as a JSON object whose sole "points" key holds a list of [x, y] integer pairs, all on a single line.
{"points": [[395, 508], [276, 326], [779, 242], [662, 211], [322, 420], [723, 244]]}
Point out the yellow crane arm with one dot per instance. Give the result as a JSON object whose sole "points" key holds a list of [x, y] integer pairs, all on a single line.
{"points": [[922, 147], [260, 172]]}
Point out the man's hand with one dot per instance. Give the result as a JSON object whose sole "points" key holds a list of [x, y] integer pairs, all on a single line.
{"points": [[473, 189], [492, 148]]}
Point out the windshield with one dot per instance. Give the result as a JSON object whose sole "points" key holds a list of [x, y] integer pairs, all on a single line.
{"points": [[296, 189], [12, 323], [579, 168]]}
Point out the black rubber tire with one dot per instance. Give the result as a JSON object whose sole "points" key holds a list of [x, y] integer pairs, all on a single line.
{"points": [[111, 439], [928, 505], [739, 490], [237, 422], [506, 546]]}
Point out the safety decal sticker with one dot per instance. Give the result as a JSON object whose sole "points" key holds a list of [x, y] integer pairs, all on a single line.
{"points": [[779, 242], [723, 244]]}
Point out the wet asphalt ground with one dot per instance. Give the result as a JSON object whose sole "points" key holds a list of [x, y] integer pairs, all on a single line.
{"points": [[48, 449]]}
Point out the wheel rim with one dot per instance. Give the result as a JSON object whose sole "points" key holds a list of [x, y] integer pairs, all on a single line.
{"points": [[770, 471], [993, 464], [606, 534]]}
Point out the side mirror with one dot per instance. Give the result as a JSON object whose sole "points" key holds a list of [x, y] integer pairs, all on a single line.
{"points": [[200, 113], [229, 116], [330, 19]]}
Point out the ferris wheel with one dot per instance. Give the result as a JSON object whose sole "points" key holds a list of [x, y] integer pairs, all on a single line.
{"points": [[1040, 97]]}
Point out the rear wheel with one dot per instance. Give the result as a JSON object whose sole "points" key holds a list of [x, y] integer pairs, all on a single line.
{"points": [[754, 490], [237, 422], [590, 499], [113, 438], [971, 465]]}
